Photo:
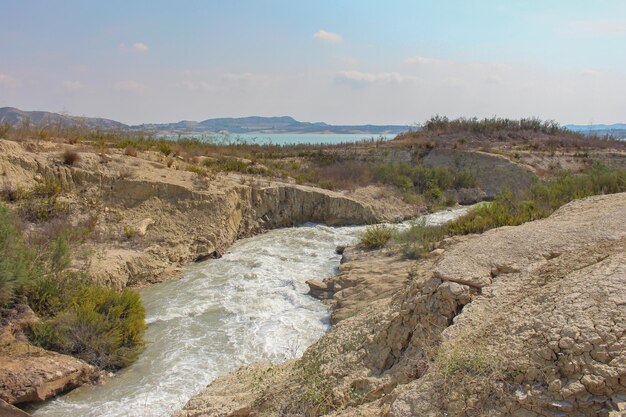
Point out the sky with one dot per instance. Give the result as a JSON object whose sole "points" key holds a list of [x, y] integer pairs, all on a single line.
{"points": [[341, 62]]}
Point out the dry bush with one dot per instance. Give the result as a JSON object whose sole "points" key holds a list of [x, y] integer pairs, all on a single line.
{"points": [[70, 157], [11, 192], [130, 151], [127, 172]]}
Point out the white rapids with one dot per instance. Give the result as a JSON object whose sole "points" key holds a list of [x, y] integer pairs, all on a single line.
{"points": [[247, 306]]}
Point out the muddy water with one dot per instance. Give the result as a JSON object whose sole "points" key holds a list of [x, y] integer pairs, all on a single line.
{"points": [[247, 306]]}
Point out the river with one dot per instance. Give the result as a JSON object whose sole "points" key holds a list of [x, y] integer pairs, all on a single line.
{"points": [[247, 306]]}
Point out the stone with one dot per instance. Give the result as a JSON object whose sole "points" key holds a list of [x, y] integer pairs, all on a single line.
{"points": [[317, 285], [142, 226], [7, 410]]}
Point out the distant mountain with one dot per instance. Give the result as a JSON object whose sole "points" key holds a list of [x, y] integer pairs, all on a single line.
{"points": [[14, 117], [256, 124], [617, 130], [253, 124], [591, 128]]}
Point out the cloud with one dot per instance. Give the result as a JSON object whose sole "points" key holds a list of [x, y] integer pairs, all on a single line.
{"points": [[492, 79], [589, 73], [135, 47], [422, 60], [599, 27], [129, 86], [140, 47], [247, 77], [358, 78], [326, 36], [72, 85], [195, 85], [8, 81]]}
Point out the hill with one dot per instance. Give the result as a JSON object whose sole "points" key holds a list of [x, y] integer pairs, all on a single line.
{"points": [[15, 117], [252, 124]]}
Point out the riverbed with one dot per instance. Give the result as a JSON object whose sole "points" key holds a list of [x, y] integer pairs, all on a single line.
{"points": [[249, 305]]}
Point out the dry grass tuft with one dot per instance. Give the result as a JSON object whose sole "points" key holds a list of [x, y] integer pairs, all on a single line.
{"points": [[70, 157]]}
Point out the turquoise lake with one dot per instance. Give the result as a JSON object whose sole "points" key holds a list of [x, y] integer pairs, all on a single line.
{"points": [[285, 138]]}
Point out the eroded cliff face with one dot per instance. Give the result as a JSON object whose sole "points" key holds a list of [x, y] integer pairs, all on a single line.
{"points": [[150, 219], [519, 321]]}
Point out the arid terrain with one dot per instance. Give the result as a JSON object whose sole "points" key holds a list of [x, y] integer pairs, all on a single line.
{"points": [[526, 319]]}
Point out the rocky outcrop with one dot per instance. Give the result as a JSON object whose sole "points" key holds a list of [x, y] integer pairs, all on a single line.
{"points": [[492, 172], [7, 410], [364, 276], [520, 321], [41, 375], [29, 373]]}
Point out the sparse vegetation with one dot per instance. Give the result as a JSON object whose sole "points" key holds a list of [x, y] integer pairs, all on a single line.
{"points": [[422, 179], [316, 396], [493, 124], [375, 236], [511, 209], [5, 128], [540, 200], [41, 203], [17, 266], [469, 374], [97, 324], [11, 193]]}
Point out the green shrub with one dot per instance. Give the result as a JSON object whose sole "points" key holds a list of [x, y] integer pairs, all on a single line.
{"points": [[17, 266], [41, 209], [129, 232], [12, 193], [540, 201], [98, 325], [375, 236], [421, 179], [509, 209], [228, 165], [418, 240], [164, 148], [48, 295]]}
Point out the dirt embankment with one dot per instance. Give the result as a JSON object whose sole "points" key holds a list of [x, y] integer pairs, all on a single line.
{"points": [[150, 215], [146, 220], [519, 321]]}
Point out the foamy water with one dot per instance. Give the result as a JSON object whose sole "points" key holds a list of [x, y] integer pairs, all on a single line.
{"points": [[247, 306]]}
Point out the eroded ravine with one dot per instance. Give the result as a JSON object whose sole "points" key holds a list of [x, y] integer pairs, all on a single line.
{"points": [[247, 306]]}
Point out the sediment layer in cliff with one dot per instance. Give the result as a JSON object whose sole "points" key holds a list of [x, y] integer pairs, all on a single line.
{"points": [[150, 218]]}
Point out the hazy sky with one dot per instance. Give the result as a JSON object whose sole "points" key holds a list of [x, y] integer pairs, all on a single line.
{"points": [[343, 62]]}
